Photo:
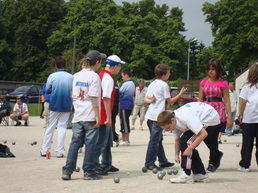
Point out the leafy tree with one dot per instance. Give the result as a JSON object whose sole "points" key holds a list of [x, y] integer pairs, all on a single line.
{"points": [[30, 23], [235, 29]]}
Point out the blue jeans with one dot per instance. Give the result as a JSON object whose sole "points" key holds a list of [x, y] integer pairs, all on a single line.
{"points": [[230, 130], [83, 133], [155, 146], [103, 146]]}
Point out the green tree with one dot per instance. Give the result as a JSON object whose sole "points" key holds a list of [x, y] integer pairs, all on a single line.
{"points": [[30, 23], [235, 29], [142, 33]]}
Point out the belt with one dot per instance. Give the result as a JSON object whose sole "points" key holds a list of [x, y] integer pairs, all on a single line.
{"points": [[213, 99]]}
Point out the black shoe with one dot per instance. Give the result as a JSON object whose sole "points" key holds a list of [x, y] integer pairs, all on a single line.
{"points": [[18, 123], [25, 124], [89, 176], [219, 142], [101, 172], [43, 155], [113, 169], [152, 167], [211, 168], [166, 165], [66, 175], [218, 163]]}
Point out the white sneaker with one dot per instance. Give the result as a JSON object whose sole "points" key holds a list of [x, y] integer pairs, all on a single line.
{"points": [[124, 143], [183, 178], [132, 127], [201, 178], [140, 128], [242, 169]]}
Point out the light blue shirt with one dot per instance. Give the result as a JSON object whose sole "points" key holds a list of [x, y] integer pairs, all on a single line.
{"points": [[59, 85], [127, 89]]}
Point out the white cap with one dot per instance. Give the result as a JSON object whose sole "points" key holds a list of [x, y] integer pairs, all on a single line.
{"points": [[114, 60]]}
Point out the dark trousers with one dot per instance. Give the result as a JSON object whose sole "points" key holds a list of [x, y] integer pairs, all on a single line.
{"points": [[211, 142], [249, 132], [155, 146], [114, 114], [194, 163]]}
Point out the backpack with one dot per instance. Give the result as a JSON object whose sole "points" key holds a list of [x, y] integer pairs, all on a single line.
{"points": [[5, 151]]}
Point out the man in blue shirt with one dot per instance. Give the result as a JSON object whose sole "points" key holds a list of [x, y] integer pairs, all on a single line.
{"points": [[59, 86]]}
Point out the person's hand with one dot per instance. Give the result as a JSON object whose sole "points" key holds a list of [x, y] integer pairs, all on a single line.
{"points": [[153, 99], [177, 159], [240, 118], [97, 122], [188, 153], [229, 123], [108, 122], [182, 91]]}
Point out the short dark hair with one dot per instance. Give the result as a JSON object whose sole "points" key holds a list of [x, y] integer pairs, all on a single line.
{"points": [[60, 62], [161, 69], [164, 118], [215, 63], [127, 71]]}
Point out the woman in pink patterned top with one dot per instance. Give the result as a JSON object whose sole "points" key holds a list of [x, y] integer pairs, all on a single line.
{"points": [[214, 91]]}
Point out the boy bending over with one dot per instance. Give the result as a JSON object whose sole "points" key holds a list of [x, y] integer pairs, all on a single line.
{"points": [[190, 122]]}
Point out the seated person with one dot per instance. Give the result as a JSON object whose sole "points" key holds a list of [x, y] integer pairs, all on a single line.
{"points": [[20, 112], [5, 108]]}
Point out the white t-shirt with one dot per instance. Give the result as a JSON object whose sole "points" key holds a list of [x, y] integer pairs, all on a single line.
{"points": [[194, 116], [86, 84], [21, 108], [251, 96], [160, 90], [107, 85]]}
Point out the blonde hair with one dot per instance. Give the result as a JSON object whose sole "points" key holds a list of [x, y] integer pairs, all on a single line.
{"points": [[164, 118]]}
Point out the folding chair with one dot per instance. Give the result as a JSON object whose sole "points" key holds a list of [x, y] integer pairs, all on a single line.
{"points": [[5, 121]]}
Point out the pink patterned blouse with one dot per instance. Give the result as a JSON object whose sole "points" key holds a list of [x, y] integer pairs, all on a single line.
{"points": [[214, 89]]}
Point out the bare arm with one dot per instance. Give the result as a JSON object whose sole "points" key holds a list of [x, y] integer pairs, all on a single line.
{"points": [[177, 150], [174, 99], [200, 97], [107, 104], [227, 106], [200, 137], [149, 100], [242, 109], [95, 105]]}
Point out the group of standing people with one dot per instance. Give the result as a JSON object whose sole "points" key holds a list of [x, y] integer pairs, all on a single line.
{"points": [[93, 98]]}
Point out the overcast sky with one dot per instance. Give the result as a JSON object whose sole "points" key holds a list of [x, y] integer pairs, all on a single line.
{"points": [[193, 18]]}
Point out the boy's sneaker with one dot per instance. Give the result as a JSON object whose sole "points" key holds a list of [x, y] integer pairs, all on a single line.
{"points": [[18, 123], [25, 124], [66, 175], [59, 155], [219, 142], [183, 178], [124, 143], [201, 178], [166, 165], [132, 127], [152, 167], [211, 168], [113, 169], [88, 176], [140, 128], [243, 169]]}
